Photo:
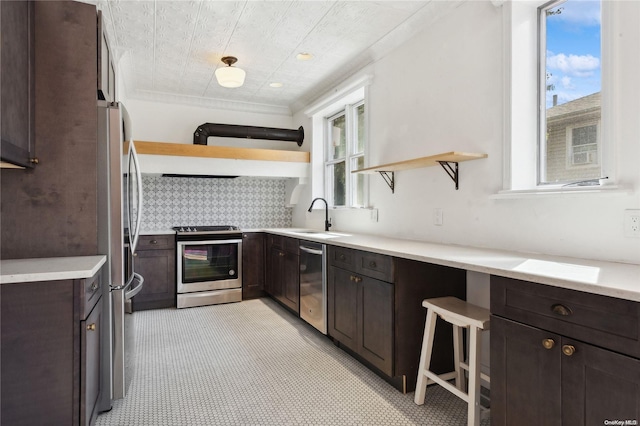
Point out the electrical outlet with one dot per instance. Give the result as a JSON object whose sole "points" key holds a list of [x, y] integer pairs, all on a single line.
{"points": [[437, 217], [632, 223]]}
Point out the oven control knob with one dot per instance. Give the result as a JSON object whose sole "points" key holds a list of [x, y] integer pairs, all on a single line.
{"points": [[231, 272], [181, 229]]}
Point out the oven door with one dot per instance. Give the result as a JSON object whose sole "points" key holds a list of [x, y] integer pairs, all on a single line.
{"points": [[209, 265]]}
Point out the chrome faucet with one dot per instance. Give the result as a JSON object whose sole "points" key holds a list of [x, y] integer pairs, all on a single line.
{"points": [[327, 222]]}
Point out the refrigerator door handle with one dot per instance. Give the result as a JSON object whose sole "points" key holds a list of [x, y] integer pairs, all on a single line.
{"points": [[135, 290], [136, 230]]}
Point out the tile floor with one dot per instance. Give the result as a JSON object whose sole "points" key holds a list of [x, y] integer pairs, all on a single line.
{"points": [[253, 363]]}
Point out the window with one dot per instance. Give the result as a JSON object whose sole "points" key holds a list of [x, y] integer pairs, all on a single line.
{"points": [[570, 85], [345, 144], [560, 90]]}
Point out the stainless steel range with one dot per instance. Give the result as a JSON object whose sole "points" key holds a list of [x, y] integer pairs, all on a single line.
{"points": [[209, 265]]}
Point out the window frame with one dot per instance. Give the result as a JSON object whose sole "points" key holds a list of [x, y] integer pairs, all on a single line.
{"points": [[522, 100], [349, 111]]}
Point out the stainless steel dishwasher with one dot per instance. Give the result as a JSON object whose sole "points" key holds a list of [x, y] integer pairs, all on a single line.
{"points": [[313, 285]]}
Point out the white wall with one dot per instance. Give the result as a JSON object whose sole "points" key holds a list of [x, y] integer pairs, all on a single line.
{"points": [[443, 91]]}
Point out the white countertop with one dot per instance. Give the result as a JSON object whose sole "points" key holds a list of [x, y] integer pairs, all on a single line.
{"points": [[49, 268], [621, 280]]}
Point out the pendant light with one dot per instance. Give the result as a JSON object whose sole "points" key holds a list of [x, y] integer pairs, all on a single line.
{"points": [[230, 76]]}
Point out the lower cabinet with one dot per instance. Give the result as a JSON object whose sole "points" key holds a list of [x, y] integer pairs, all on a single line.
{"points": [[555, 356], [50, 352], [156, 261], [283, 271], [361, 316], [253, 264], [375, 311]]}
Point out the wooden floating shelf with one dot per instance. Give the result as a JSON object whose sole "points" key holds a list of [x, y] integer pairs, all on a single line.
{"points": [[448, 160], [226, 152]]}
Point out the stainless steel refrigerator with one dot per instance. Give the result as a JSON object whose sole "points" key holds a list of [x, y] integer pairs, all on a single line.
{"points": [[119, 218]]}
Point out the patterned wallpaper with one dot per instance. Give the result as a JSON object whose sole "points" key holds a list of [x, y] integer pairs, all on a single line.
{"points": [[247, 202]]}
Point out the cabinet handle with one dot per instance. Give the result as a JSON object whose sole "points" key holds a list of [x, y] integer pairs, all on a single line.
{"points": [[281, 254], [372, 264], [154, 241], [561, 310], [91, 327], [357, 279], [568, 350], [548, 343]]}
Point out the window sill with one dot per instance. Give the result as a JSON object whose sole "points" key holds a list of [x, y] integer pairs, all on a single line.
{"points": [[601, 190]]}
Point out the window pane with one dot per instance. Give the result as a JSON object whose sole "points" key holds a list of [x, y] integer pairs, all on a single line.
{"points": [[337, 138], [339, 184], [357, 182], [360, 129], [571, 90]]}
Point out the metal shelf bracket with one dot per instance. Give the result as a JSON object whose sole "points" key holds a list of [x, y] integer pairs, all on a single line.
{"points": [[389, 178], [452, 171]]}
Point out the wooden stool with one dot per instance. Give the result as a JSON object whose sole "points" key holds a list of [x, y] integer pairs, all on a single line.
{"points": [[460, 314]]}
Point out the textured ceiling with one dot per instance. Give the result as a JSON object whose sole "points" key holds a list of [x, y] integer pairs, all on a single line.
{"points": [[169, 50]]}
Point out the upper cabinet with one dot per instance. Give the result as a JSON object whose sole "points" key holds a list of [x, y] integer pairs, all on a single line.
{"points": [[106, 66], [17, 65]]}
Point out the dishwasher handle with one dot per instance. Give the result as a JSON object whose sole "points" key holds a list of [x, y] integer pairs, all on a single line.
{"points": [[310, 250]]}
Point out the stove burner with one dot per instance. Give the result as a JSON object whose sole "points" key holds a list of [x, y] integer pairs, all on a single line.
{"points": [[205, 228]]}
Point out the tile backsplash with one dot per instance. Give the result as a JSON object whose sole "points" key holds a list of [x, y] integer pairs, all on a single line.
{"points": [[247, 202]]}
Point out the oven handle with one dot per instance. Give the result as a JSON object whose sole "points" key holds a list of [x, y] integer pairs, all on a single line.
{"points": [[184, 242]]}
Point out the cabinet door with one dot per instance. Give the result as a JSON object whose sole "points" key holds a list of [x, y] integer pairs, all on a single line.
{"points": [[525, 376], [90, 365], [342, 305], [158, 267], [253, 265], [375, 323], [274, 272], [291, 284], [598, 385], [17, 82]]}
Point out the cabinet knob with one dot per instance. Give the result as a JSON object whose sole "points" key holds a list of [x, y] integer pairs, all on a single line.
{"points": [[357, 279], [373, 264], [568, 350], [342, 257], [34, 160], [91, 327], [281, 254], [154, 241], [561, 310], [548, 343], [94, 286]]}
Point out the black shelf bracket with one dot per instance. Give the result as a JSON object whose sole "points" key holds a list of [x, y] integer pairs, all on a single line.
{"points": [[452, 171], [389, 178]]}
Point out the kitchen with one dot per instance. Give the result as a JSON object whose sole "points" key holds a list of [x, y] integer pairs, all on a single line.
{"points": [[453, 69]]}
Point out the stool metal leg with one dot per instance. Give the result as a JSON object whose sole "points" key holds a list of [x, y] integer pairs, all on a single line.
{"points": [[425, 357], [458, 356], [475, 343]]}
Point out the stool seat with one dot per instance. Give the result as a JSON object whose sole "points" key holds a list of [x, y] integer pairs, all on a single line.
{"points": [[461, 315], [459, 311]]}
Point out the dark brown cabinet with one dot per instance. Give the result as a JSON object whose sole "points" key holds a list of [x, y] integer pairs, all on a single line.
{"points": [[556, 356], [17, 66], [283, 271], [253, 264], [375, 311], [360, 308], [51, 351], [155, 260], [106, 67]]}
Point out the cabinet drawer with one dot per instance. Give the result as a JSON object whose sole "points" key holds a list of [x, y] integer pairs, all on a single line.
{"points": [[604, 321], [92, 290], [342, 257], [156, 242], [374, 265]]}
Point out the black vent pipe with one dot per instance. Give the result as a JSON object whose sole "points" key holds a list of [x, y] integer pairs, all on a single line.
{"points": [[250, 132]]}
